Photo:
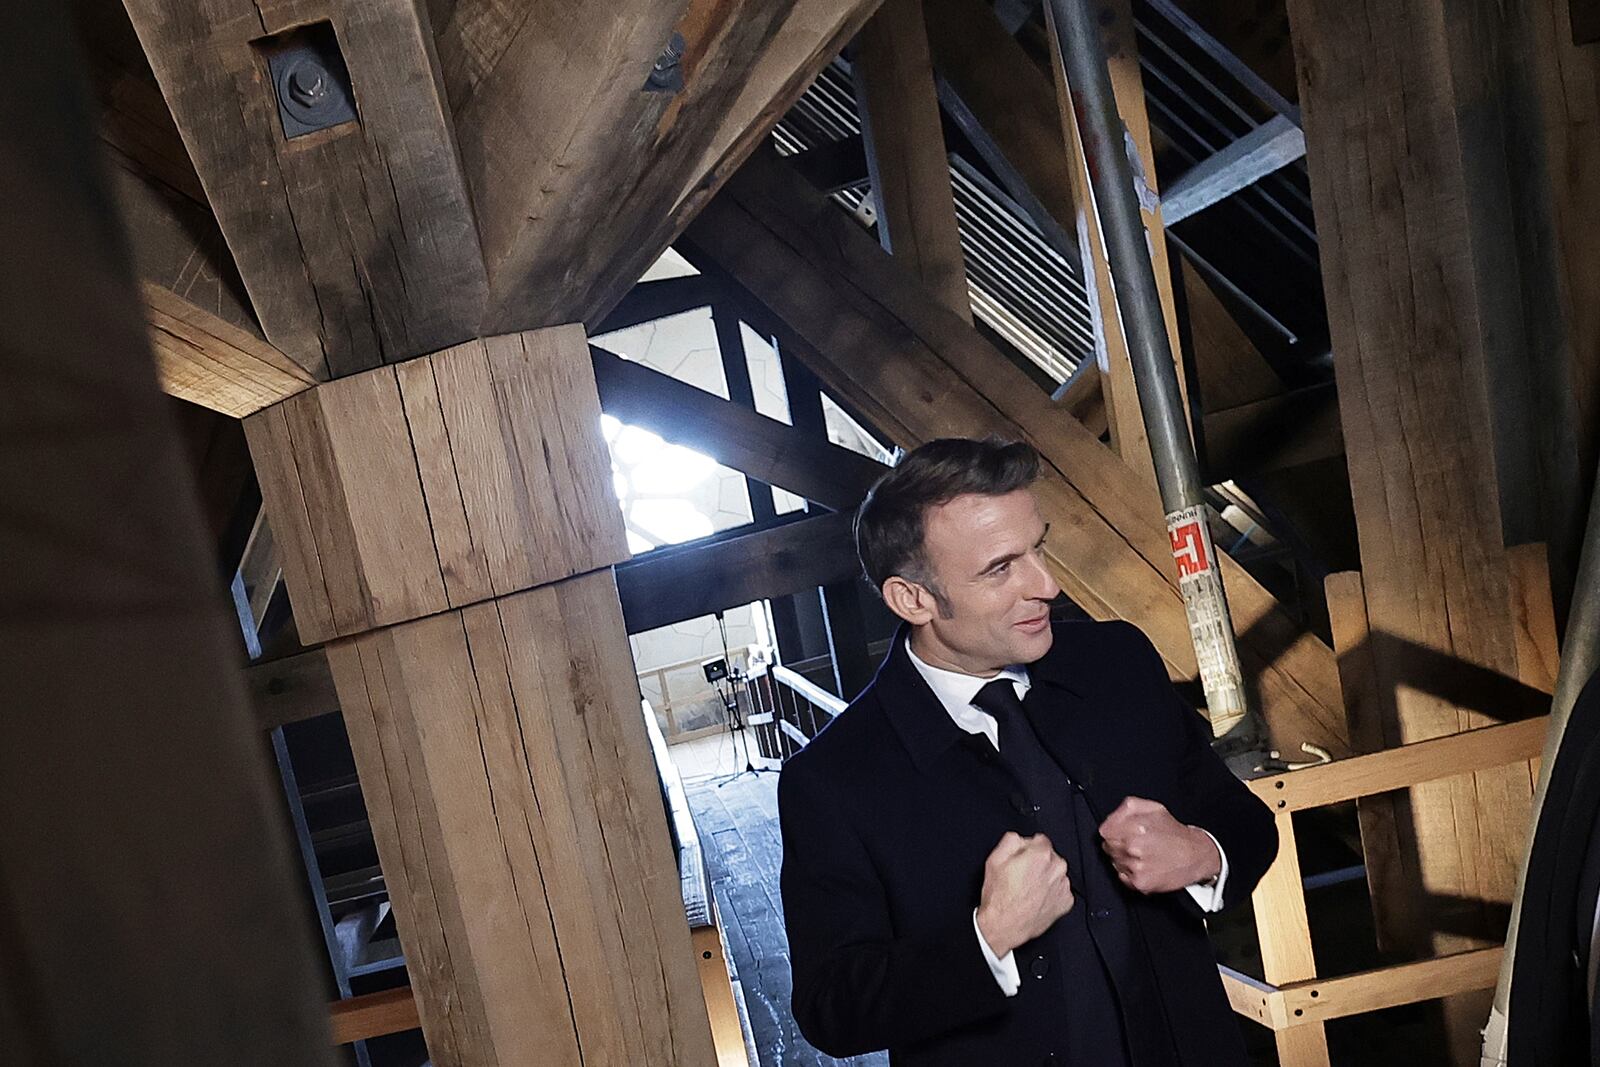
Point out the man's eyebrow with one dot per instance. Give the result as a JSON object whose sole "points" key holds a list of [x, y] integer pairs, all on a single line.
{"points": [[1009, 556]]}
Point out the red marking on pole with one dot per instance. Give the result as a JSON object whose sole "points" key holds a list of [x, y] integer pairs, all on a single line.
{"points": [[1189, 549]]}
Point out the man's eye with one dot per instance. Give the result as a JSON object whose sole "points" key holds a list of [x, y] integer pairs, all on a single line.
{"points": [[1001, 568]]}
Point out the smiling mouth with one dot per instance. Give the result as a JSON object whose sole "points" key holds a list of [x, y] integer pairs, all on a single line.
{"points": [[1035, 623]]}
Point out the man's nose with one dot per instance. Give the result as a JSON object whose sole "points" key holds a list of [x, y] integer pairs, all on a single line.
{"points": [[1042, 584]]}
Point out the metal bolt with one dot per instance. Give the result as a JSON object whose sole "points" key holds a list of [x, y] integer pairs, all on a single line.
{"points": [[308, 84]]}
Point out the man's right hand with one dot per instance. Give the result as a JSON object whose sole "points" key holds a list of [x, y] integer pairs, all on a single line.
{"points": [[1025, 890]]}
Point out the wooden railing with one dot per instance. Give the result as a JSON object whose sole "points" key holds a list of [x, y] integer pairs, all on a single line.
{"points": [[1294, 1002], [793, 706]]}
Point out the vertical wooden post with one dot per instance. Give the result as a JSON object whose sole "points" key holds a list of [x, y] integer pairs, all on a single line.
{"points": [[448, 528], [1285, 932], [1394, 131], [146, 910]]}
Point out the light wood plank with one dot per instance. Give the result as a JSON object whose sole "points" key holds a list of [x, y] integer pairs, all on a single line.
{"points": [[206, 361], [373, 1015], [1286, 955], [1321, 999], [1468, 752], [711, 957], [1257, 1001]]}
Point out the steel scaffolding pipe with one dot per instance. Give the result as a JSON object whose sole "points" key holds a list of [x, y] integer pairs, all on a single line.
{"points": [[1106, 147]]}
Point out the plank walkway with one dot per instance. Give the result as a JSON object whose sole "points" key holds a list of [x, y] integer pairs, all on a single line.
{"points": [[738, 824]]}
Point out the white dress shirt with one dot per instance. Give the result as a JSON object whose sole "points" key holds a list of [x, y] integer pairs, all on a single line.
{"points": [[955, 692]]}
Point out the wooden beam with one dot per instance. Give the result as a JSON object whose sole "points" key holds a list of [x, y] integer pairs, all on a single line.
{"points": [[291, 689], [392, 1011], [668, 585], [207, 361], [1416, 420], [1274, 144], [146, 911], [1467, 752], [812, 34], [548, 155], [916, 371], [905, 150], [209, 350], [357, 244], [1392, 881], [482, 443], [733, 435], [449, 522], [1320, 999]]}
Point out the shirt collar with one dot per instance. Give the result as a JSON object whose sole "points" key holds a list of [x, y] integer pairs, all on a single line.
{"points": [[955, 691]]}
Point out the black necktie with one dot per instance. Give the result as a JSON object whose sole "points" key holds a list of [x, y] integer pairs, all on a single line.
{"points": [[1020, 746]]}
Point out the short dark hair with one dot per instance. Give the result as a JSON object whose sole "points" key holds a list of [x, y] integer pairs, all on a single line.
{"points": [[889, 523]]}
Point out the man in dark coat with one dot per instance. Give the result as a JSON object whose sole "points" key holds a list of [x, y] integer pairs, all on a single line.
{"points": [[1001, 853]]}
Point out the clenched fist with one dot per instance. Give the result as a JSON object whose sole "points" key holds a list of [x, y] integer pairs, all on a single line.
{"points": [[1025, 890], [1155, 853]]}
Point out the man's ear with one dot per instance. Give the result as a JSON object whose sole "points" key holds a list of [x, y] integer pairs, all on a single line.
{"points": [[908, 600]]}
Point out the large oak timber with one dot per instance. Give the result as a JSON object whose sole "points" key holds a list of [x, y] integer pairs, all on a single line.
{"points": [[916, 371], [906, 158], [209, 349], [357, 244], [1385, 148], [580, 178], [147, 916], [688, 581], [447, 527]]}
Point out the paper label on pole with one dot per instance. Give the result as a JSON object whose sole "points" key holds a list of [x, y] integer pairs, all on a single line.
{"points": [[1210, 625]]}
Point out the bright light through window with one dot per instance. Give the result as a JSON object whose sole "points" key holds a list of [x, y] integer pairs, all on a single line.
{"points": [[668, 493]]}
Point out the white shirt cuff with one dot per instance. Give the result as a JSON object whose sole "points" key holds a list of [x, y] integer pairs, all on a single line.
{"points": [[1004, 969], [1209, 897]]}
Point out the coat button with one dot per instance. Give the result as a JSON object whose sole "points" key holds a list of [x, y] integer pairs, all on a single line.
{"points": [[1100, 913], [1040, 967]]}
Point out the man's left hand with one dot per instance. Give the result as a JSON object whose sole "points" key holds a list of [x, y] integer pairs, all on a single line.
{"points": [[1154, 852]]}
